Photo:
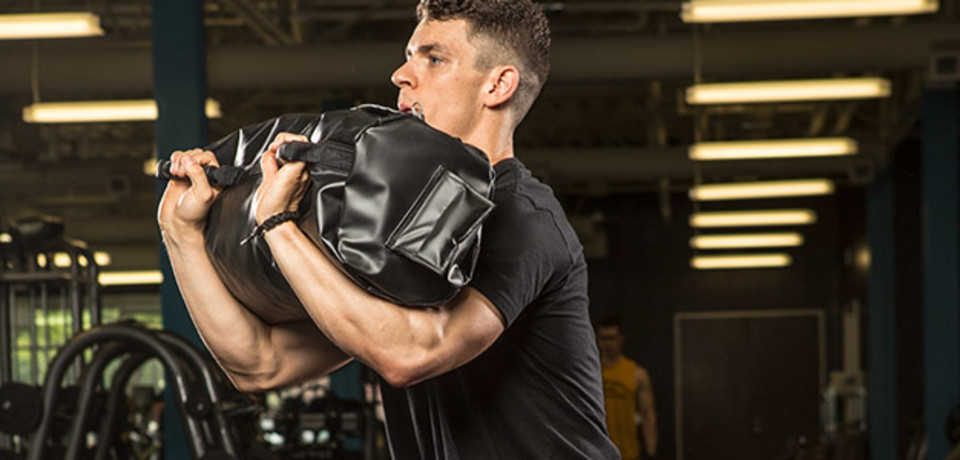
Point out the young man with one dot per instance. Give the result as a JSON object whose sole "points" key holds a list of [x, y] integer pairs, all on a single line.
{"points": [[628, 394], [510, 368]]}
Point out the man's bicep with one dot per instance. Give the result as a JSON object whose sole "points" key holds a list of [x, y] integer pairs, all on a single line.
{"points": [[644, 390], [303, 352], [474, 324]]}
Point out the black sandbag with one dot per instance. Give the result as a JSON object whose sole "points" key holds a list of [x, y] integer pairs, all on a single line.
{"points": [[395, 203]]}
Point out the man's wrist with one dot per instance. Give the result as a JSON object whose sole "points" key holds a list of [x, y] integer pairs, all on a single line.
{"points": [[179, 236], [270, 223], [286, 229]]}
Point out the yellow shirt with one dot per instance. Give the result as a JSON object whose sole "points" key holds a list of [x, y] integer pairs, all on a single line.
{"points": [[620, 397]]}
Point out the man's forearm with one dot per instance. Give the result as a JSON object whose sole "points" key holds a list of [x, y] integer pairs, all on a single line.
{"points": [[650, 434], [239, 340], [392, 340]]}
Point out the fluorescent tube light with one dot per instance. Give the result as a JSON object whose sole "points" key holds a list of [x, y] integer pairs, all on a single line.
{"points": [[741, 261], [753, 190], [49, 25], [788, 91], [753, 218], [131, 278], [785, 148], [100, 111], [772, 10], [757, 240]]}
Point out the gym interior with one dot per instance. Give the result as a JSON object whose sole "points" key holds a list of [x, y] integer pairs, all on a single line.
{"points": [[766, 191]]}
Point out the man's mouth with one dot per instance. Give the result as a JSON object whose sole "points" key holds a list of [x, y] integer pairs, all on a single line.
{"points": [[413, 108]]}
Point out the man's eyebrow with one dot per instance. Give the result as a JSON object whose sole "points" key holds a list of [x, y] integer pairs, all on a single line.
{"points": [[427, 48]]}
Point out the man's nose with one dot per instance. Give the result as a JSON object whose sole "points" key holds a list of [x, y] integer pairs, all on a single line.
{"points": [[402, 76]]}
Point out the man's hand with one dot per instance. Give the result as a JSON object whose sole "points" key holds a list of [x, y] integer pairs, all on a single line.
{"points": [[184, 206], [282, 187]]}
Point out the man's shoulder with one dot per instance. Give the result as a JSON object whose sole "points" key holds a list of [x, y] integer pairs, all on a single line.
{"points": [[632, 365], [527, 203]]}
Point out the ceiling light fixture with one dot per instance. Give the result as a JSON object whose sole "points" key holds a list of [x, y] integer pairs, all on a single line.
{"points": [[754, 190], [753, 218], [788, 91], [49, 25], [741, 261], [773, 10], [756, 240], [101, 111], [784, 148], [131, 278]]}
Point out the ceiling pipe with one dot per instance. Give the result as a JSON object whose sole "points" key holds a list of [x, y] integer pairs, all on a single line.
{"points": [[91, 68]]}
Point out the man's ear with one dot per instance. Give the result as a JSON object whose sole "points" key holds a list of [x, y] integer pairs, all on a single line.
{"points": [[502, 84]]}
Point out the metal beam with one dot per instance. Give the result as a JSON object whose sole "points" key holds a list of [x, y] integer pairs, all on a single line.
{"points": [[567, 166], [91, 67]]}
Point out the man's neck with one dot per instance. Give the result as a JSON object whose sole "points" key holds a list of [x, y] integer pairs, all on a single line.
{"points": [[494, 136], [608, 361]]}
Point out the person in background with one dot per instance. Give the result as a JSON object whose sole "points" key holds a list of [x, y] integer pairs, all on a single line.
{"points": [[628, 394]]}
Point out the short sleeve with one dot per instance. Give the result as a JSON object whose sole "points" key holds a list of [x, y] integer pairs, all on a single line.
{"points": [[520, 250]]}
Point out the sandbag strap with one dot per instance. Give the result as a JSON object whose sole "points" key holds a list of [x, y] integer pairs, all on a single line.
{"points": [[329, 154]]}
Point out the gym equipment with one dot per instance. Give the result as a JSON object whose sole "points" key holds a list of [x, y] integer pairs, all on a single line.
{"points": [[193, 384], [48, 287], [87, 420], [20, 411], [313, 423], [42, 272], [395, 203]]}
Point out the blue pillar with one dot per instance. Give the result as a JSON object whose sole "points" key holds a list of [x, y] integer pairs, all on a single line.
{"points": [[941, 303], [882, 319], [180, 80]]}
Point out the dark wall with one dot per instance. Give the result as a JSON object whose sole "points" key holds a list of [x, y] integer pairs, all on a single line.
{"points": [[646, 278]]}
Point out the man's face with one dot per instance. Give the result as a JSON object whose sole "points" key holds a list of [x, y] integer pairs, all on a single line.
{"points": [[609, 340], [440, 76]]}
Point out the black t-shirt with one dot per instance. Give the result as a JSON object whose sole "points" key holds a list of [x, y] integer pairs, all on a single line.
{"points": [[537, 391]]}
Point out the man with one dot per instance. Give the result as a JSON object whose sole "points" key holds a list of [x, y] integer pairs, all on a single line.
{"points": [[628, 394], [509, 369]]}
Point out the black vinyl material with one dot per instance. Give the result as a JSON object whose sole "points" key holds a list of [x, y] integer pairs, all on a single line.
{"points": [[398, 205]]}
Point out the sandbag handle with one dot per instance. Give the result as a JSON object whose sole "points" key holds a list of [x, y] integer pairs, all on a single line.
{"points": [[223, 176]]}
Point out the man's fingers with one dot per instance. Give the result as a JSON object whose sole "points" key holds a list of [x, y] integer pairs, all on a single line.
{"points": [[293, 171], [200, 156], [204, 157], [175, 163], [283, 138], [268, 164], [198, 178]]}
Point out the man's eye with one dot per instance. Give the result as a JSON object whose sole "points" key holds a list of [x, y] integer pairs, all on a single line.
{"points": [[435, 60]]}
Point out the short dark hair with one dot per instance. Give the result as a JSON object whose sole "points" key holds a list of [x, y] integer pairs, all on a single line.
{"points": [[610, 321], [519, 27]]}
